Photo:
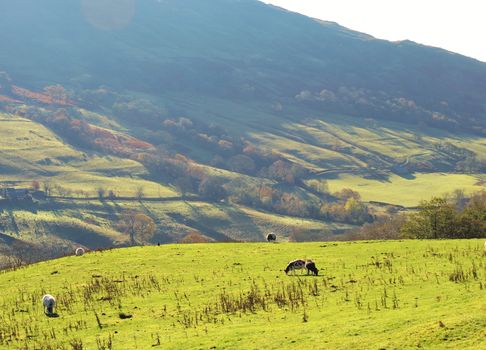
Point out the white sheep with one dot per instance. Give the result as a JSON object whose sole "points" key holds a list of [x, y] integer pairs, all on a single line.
{"points": [[49, 302], [80, 251], [485, 247]]}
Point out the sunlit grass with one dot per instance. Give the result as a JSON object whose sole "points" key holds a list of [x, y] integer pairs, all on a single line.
{"points": [[29, 151], [368, 295], [407, 192]]}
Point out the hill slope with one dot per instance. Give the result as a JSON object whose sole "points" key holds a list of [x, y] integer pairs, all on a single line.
{"points": [[427, 294], [276, 111], [75, 173], [240, 50]]}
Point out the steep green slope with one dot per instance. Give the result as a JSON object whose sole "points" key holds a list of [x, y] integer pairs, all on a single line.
{"points": [[408, 294], [30, 152]]}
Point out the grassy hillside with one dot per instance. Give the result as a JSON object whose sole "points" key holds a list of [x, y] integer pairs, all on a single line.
{"points": [[94, 224], [347, 152], [368, 295], [384, 161], [327, 141], [30, 151], [327, 146]]}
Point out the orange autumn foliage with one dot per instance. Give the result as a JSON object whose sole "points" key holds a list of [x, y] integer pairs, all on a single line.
{"points": [[39, 97], [8, 99]]}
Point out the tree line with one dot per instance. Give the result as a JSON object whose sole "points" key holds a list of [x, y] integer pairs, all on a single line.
{"points": [[448, 217]]}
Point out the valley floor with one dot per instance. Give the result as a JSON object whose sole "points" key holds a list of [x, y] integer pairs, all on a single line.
{"points": [[408, 192]]}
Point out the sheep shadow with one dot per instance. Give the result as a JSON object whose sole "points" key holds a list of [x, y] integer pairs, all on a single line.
{"points": [[303, 275]]}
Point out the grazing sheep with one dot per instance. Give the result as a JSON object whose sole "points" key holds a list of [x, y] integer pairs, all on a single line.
{"points": [[311, 267], [295, 265], [299, 264], [271, 237], [49, 302], [80, 251]]}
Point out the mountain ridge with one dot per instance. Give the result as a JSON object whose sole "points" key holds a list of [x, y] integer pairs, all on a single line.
{"points": [[237, 49]]}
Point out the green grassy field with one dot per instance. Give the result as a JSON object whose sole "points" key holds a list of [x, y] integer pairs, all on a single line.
{"points": [[402, 191], [368, 295]]}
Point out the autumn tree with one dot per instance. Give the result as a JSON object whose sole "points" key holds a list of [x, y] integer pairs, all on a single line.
{"points": [[212, 188], [57, 93], [285, 171], [241, 164], [194, 237], [101, 96], [347, 193], [138, 226], [385, 228], [319, 185], [291, 204], [357, 212], [184, 185], [243, 193], [267, 196], [35, 185]]}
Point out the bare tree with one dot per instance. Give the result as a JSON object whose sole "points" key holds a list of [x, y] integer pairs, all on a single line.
{"points": [[111, 194], [140, 193], [46, 186], [138, 226], [62, 191], [184, 185], [101, 192]]}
